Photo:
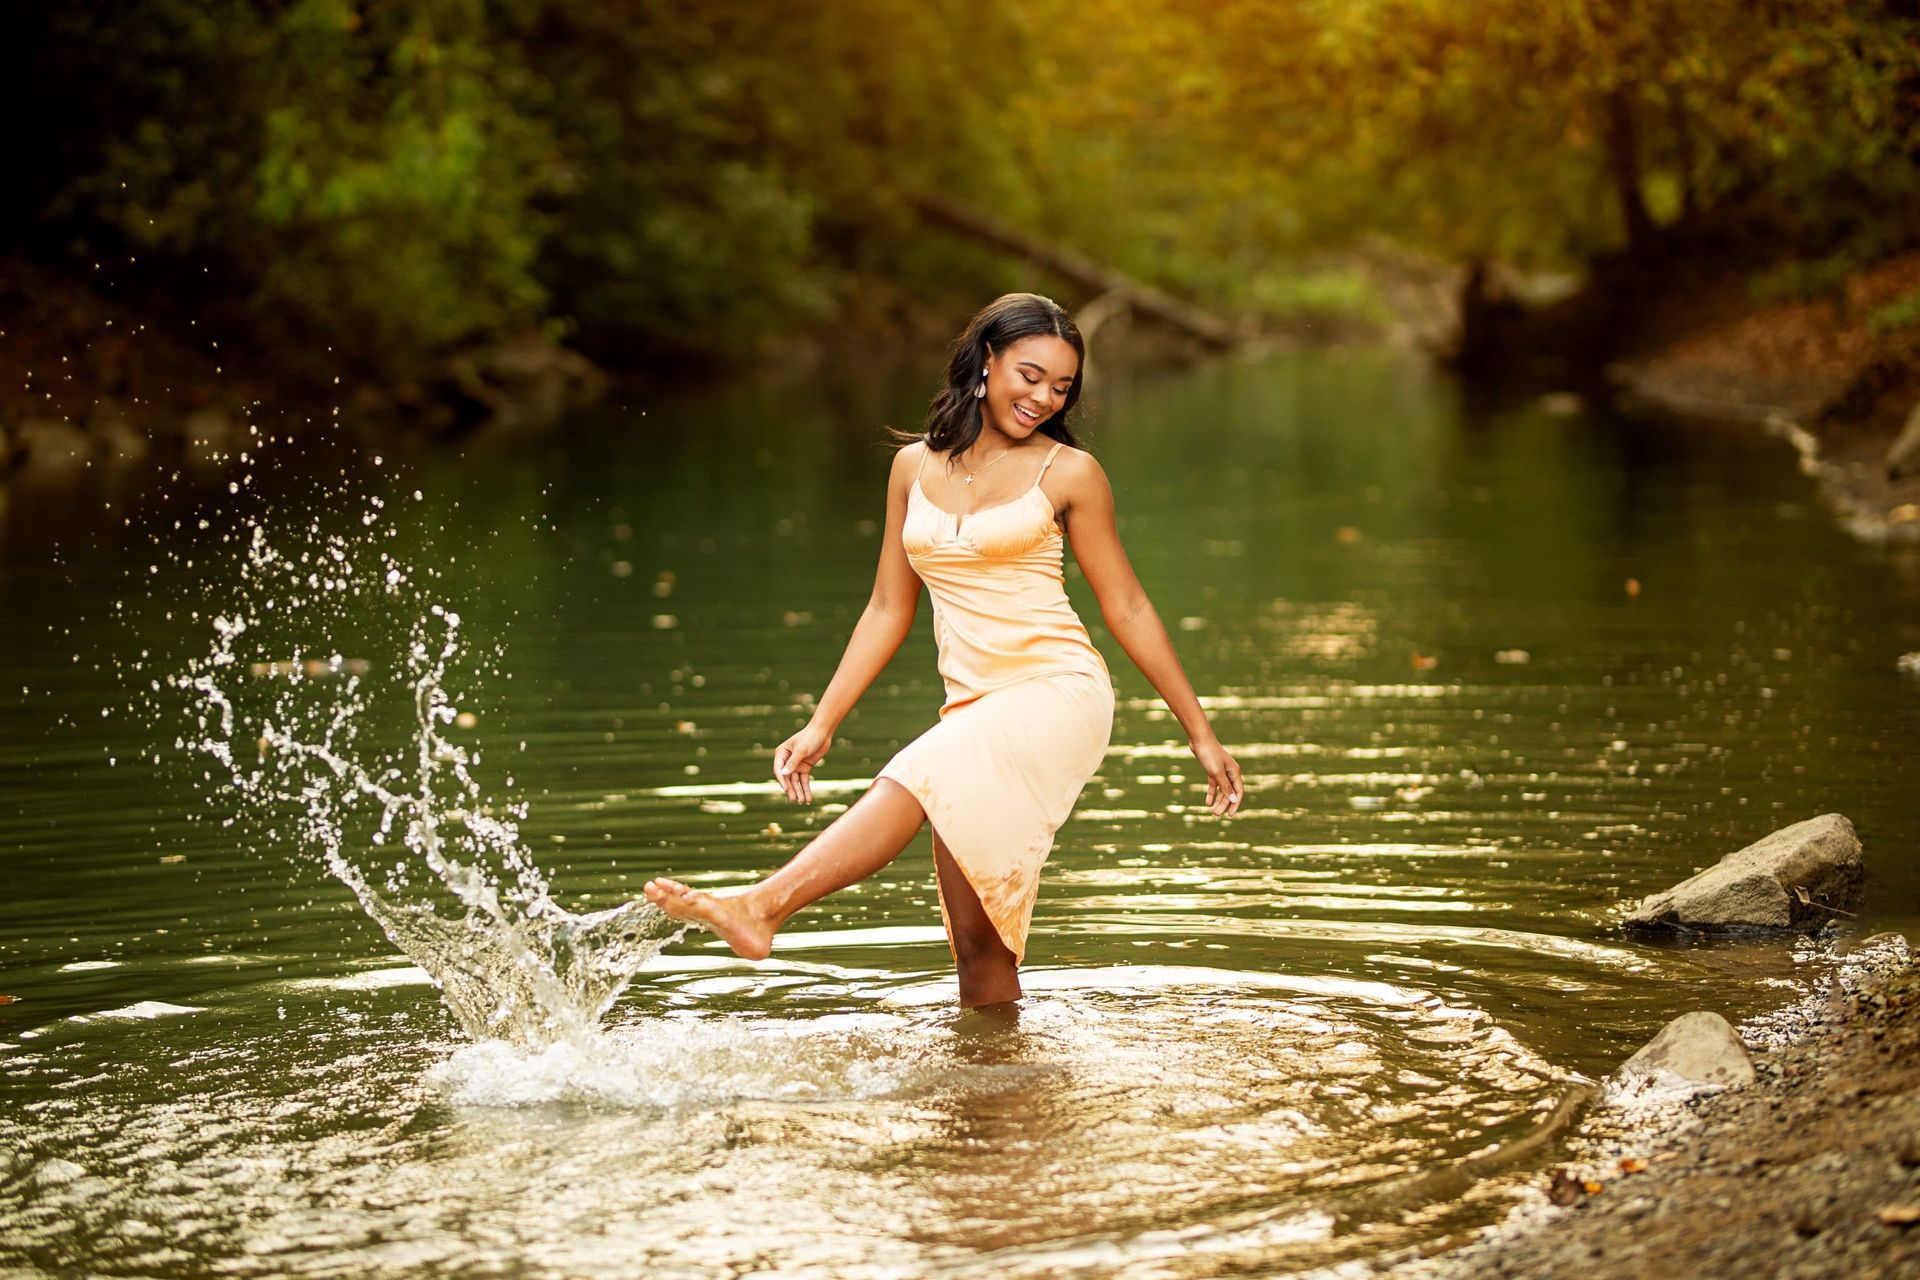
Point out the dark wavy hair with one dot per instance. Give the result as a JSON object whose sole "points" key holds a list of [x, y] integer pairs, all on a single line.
{"points": [[953, 419]]}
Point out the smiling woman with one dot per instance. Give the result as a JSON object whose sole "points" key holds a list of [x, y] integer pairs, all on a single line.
{"points": [[1029, 707]]}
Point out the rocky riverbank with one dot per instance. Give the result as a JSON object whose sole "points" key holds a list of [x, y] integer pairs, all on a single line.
{"points": [[97, 384], [1811, 1171], [1836, 373], [93, 384]]}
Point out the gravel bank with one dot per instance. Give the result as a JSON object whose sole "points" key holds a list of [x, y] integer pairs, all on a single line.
{"points": [[1814, 1171], [1817, 372]]}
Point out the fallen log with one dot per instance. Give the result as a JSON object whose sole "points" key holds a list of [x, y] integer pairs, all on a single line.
{"points": [[1077, 268]]}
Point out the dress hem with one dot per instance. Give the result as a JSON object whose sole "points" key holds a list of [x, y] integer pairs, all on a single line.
{"points": [[922, 791]]}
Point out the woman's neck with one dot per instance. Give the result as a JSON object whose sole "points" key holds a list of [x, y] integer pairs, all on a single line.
{"points": [[989, 444]]}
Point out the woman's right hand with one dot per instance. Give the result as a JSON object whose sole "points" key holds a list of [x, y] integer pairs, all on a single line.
{"points": [[793, 762]]}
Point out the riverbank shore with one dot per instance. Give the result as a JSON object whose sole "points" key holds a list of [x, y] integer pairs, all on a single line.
{"points": [[1829, 373], [95, 383], [1812, 1171]]}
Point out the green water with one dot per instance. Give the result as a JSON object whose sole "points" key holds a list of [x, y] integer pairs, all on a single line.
{"points": [[1244, 1039]]}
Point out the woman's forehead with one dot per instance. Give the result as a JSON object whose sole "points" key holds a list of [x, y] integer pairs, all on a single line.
{"points": [[1053, 356]]}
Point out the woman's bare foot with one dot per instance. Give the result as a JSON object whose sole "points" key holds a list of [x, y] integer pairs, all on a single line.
{"points": [[728, 914]]}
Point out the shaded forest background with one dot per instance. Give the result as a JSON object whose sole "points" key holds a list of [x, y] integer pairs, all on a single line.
{"points": [[387, 182]]}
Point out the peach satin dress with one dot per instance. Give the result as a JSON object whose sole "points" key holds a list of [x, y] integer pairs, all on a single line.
{"points": [[1029, 706]]}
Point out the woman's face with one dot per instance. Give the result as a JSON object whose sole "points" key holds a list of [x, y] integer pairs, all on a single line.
{"points": [[1028, 382]]}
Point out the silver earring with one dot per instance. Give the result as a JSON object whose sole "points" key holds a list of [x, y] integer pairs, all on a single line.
{"points": [[980, 388]]}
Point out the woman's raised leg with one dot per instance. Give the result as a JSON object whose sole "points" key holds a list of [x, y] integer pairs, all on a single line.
{"points": [[988, 972], [869, 835]]}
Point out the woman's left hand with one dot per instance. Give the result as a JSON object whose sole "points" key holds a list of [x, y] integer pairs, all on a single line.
{"points": [[1223, 777]]}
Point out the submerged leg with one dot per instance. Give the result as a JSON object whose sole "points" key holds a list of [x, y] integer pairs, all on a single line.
{"points": [[989, 974], [858, 843]]}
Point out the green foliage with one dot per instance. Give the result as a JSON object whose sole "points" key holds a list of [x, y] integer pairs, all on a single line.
{"points": [[1901, 313], [700, 174], [372, 172], [1804, 279], [735, 169], [1317, 294], [1240, 136]]}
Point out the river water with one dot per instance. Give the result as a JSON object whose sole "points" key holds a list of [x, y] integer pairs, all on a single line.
{"points": [[1490, 671]]}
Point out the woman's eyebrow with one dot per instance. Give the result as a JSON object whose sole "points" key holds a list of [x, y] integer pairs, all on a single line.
{"points": [[1042, 370]]}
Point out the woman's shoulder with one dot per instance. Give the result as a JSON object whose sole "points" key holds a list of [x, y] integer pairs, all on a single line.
{"points": [[1073, 462], [906, 461]]}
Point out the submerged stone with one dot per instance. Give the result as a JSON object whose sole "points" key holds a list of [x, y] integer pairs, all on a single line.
{"points": [[1795, 878]]}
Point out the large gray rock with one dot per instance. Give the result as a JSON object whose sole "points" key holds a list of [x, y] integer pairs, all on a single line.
{"points": [[1784, 881], [1700, 1047]]}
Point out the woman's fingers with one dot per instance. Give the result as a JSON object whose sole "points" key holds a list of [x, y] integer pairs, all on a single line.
{"points": [[793, 768], [1223, 791], [783, 768]]}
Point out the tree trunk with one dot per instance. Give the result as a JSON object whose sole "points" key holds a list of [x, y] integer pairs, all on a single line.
{"points": [[1083, 271], [1623, 166]]}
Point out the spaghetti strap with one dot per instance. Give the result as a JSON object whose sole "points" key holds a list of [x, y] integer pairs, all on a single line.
{"points": [[923, 459], [1057, 446]]}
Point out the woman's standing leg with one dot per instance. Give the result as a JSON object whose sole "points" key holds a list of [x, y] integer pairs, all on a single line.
{"points": [[865, 838], [988, 972]]}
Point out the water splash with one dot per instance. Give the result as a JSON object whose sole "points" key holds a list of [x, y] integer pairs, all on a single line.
{"points": [[296, 742]]}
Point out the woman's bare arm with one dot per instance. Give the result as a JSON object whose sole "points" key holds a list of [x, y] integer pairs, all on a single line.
{"points": [[890, 610], [1087, 503], [882, 628]]}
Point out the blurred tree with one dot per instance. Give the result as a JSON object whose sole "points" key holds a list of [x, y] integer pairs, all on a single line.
{"points": [[392, 179], [367, 172], [1537, 132], [735, 168]]}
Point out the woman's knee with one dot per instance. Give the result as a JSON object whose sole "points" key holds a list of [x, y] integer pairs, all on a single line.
{"points": [[896, 795], [979, 946]]}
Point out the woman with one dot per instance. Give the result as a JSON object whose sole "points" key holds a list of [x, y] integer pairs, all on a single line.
{"points": [[976, 510]]}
